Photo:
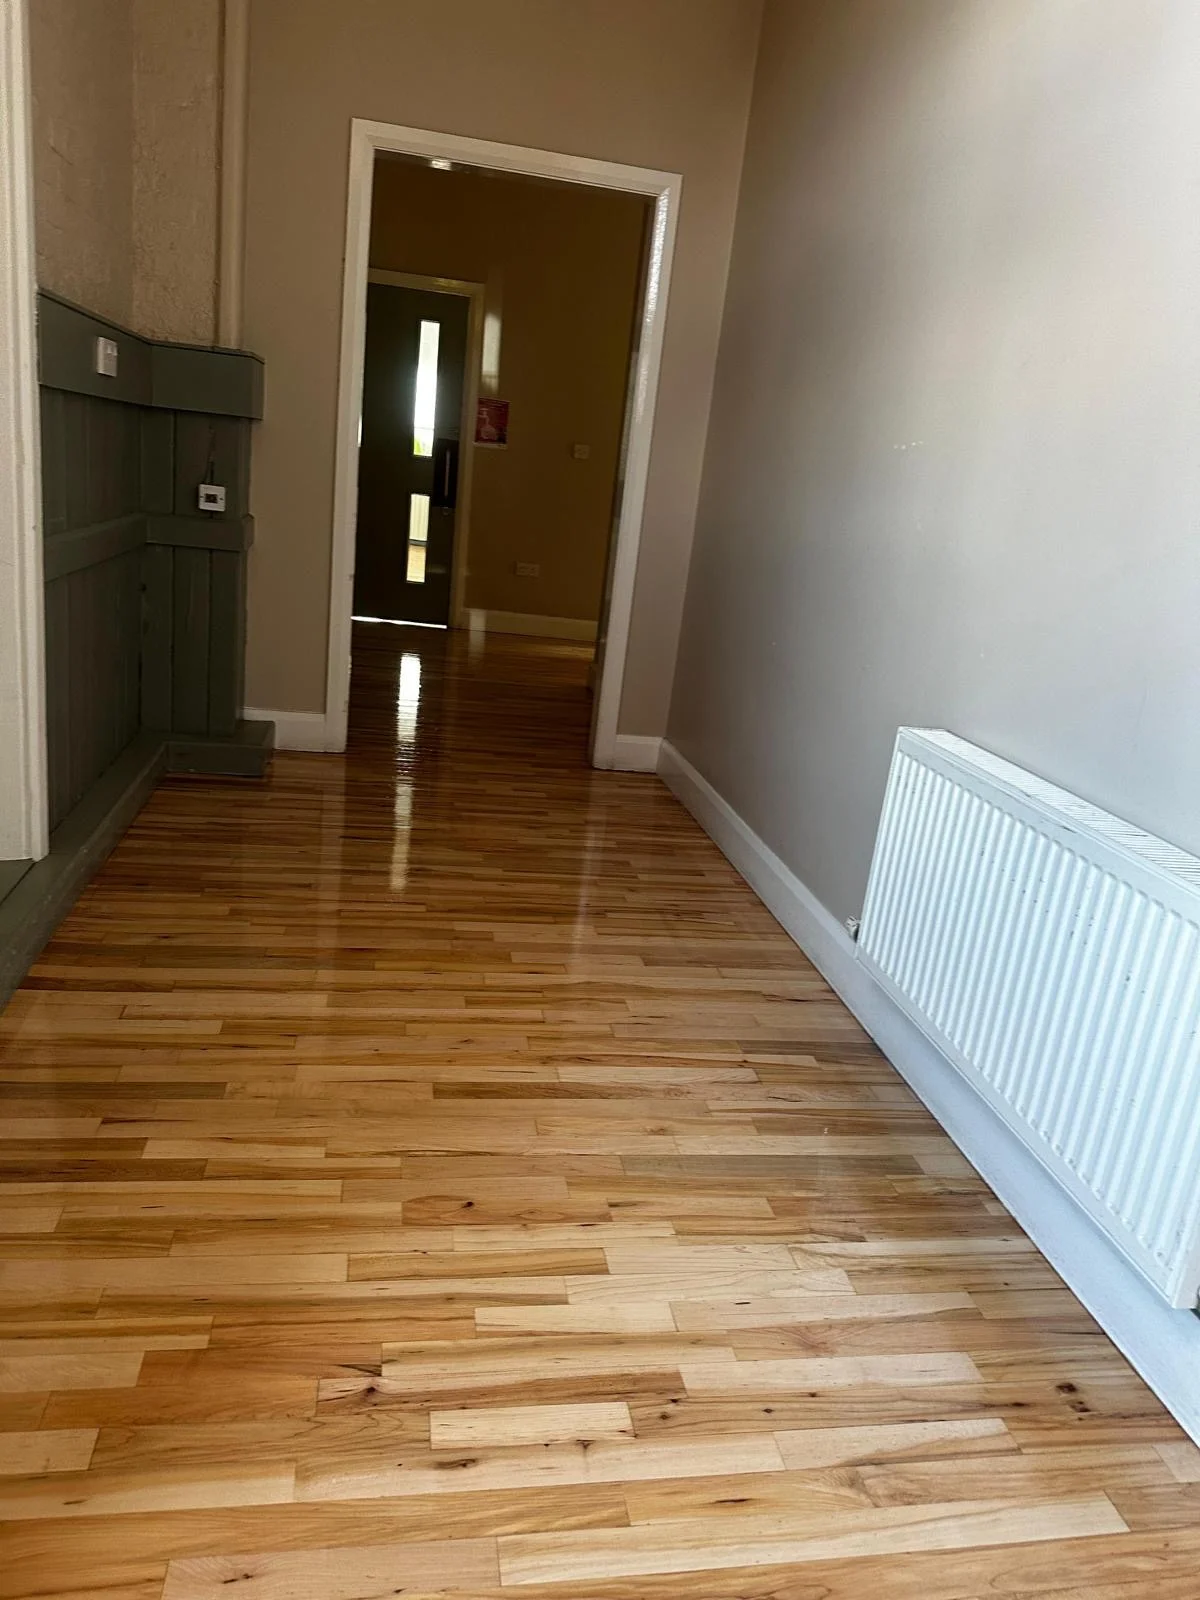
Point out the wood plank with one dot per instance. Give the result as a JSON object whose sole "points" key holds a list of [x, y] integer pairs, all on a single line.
{"points": [[354, 1574], [514, 1425], [703, 1377], [804, 1448], [33, 1454], [699, 1547], [23, 1374], [1183, 1459], [537, 1466], [383, 1184]]}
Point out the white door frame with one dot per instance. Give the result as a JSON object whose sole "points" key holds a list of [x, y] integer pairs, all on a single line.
{"points": [[366, 140], [472, 369], [24, 811]]}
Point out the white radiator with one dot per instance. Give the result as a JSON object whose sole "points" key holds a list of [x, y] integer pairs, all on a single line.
{"points": [[1052, 952]]}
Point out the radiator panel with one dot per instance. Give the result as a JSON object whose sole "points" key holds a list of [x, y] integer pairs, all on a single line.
{"points": [[1052, 952]]}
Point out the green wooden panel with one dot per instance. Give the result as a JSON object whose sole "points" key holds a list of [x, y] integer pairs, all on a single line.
{"points": [[211, 450], [11, 873], [67, 354], [80, 647], [227, 644], [190, 640], [58, 705], [145, 596], [245, 753], [158, 618], [202, 532], [92, 667], [75, 479], [88, 547], [113, 461], [158, 461], [195, 378], [129, 631], [173, 377], [54, 468], [239, 481]]}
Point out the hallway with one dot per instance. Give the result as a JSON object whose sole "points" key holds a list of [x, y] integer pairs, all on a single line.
{"points": [[435, 1171]]}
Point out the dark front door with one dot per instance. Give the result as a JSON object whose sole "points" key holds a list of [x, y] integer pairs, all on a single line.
{"points": [[408, 456]]}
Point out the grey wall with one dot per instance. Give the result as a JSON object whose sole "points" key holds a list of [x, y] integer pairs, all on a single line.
{"points": [[953, 471]]}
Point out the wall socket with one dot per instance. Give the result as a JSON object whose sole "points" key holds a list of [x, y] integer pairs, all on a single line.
{"points": [[106, 357], [211, 497], [527, 569]]}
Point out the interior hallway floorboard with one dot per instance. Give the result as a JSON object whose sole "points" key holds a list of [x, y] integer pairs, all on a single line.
{"points": [[434, 1172]]}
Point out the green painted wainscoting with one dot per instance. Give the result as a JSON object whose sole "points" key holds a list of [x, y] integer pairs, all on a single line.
{"points": [[145, 594]]}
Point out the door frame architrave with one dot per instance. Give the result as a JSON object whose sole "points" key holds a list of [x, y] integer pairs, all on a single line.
{"points": [[367, 140], [24, 802]]}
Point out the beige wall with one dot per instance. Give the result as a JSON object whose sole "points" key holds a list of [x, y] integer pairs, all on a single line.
{"points": [[126, 101], [81, 65], [176, 168], [662, 84], [952, 477], [562, 264]]}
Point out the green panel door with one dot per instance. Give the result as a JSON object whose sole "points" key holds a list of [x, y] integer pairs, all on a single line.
{"points": [[408, 456]]}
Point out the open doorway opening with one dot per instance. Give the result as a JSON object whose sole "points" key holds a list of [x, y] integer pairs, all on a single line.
{"points": [[502, 331]]}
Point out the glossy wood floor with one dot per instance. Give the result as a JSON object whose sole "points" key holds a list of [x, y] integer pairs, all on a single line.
{"points": [[435, 1173]]}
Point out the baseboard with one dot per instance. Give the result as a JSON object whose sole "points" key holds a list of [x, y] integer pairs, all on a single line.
{"points": [[294, 730], [244, 753], [530, 623], [635, 752], [43, 894], [1163, 1344]]}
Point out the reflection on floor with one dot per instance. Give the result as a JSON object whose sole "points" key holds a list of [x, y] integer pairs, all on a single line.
{"points": [[435, 1172]]}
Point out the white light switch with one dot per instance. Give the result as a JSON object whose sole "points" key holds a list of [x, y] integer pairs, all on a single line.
{"points": [[212, 497], [106, 357]]}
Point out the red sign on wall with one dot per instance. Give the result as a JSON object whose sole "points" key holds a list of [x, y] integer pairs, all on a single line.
{"points": [[491, 422]]}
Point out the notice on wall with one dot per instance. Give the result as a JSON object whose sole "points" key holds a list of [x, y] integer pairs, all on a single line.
{"points": [[491, 423]]}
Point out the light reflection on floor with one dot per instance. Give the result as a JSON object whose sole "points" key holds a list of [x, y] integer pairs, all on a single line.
{"points": [[408, 707]]}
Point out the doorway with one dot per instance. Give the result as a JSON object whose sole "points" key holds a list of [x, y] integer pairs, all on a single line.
{"points": [[414, 384], [368, 140]]}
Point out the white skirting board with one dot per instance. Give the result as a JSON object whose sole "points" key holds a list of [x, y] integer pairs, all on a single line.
{"points": [[294, 730], [634, 752], [532, 624], [1163, 1344]]}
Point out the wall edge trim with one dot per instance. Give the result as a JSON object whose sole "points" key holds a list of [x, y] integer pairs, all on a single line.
{"points": [[1163, 1344], [367, 138]]}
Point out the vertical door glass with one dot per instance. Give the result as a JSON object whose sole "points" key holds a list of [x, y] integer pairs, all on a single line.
{"points": [[425, 397], [418, 537]]}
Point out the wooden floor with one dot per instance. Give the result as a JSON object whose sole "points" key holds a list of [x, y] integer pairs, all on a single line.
{"points": [[434, 1172]]}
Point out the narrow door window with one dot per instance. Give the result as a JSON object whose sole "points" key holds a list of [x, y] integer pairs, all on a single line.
{"points": [[425, 398], [418, 537]]}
